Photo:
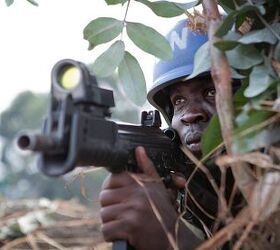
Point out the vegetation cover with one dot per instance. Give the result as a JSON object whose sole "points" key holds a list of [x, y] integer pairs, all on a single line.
{"points": [[244, 43]]}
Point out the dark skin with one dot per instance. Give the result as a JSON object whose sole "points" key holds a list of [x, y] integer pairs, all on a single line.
{"points": [[193, 105], [126, 206]]}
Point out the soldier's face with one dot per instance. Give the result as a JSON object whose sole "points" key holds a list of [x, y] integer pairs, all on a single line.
{"points": [[194, 105]]}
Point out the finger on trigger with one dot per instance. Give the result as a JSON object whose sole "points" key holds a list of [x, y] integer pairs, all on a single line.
{"points": [[145, 163]]}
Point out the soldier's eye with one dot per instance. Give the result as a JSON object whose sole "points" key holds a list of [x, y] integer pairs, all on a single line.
{"points": [[178, 101], [211, 92]]}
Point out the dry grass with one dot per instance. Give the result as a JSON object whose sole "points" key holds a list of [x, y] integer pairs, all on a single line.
{"points": [[71, 226]]}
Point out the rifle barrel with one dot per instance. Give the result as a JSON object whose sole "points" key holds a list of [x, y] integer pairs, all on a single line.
{"points": [[36, 142]]}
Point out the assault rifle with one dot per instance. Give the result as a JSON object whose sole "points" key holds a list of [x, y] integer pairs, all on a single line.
{"points": [[77, 131]]}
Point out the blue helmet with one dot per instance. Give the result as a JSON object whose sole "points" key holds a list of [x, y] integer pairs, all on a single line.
{"points": [[184, 43]]}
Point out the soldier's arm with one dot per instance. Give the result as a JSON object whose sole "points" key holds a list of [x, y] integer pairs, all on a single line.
{"points": [[139, 209]]}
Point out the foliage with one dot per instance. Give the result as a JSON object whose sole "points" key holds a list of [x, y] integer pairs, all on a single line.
{"points": [[248, 41], [106, 29], [250, 36]]}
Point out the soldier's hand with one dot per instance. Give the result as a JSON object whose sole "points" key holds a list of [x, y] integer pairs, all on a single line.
{"points": [[138, 207]]}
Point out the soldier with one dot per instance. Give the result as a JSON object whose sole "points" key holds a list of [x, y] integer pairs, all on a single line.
{"points": [[133, 212]]}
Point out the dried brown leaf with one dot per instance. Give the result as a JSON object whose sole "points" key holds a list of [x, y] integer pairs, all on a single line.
{"points": [[197, 22], [246, 26], [255, 158], [50, 241], [155, 209]]}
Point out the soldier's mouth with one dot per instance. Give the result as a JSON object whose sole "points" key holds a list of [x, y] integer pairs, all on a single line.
{"points": [[193, 138], [193, 143], [194, 146]]}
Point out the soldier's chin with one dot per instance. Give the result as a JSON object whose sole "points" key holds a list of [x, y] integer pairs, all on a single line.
{"points": [[195, 148]]}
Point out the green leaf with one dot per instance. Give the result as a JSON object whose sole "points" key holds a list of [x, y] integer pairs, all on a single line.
{"points": [[232, 17], [259, 81], [9, 2], [202, 61], [149, 40], [248, 137], [256, 140], [108, 61], [33, 2], [212, 136], [229, 41], [186, 6], [232, 36], [248, 119], [235, 74], [113, 2], [225, 45], [132, 79], [239, 100], [168, 9], [244, 57], [257, 101], [260, 36], [228, 6], [163, 8], [102, 30], [226, 24], [251, 8]]}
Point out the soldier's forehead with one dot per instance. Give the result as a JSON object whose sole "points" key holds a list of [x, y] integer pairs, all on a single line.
{"points": [[203, 80]]}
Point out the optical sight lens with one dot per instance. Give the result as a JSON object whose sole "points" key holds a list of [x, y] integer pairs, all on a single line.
{"points": [[69, 77]]}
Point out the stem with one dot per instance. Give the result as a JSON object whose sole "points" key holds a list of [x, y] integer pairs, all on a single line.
{"points": [[221, 75], [228, 231], [235, 4], [125, 16], [126, 11]]}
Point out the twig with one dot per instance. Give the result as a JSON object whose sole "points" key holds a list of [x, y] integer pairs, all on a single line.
{"points": [[32, 242], [227, 232], [204, 169], [75, 223], [170, 237], [244, 235], [221, 75], [259, 126], [50, 241], [14, 243], [199, 206]]}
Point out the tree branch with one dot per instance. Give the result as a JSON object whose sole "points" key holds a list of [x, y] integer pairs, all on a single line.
{"points": [[221, 74]]}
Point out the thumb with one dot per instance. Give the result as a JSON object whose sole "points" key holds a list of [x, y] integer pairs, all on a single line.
{"points": [[145, 163]]}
